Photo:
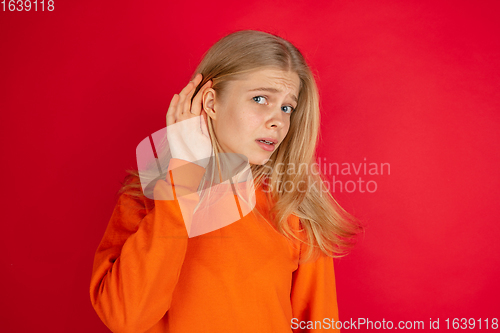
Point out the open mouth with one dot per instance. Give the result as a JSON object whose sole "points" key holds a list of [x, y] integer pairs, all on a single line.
{"points": [[266, 145]]}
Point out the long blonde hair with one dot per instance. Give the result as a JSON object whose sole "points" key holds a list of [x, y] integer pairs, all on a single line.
{"points": [[328, 227]]}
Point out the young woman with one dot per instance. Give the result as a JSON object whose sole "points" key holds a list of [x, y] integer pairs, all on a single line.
{"points": [[260, 260]]}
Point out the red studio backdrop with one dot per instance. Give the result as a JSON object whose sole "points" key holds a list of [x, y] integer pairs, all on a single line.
{"points": [[410, 133]]}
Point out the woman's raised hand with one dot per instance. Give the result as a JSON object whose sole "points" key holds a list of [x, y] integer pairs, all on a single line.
{"points": [[187, 131], [180, 106]]}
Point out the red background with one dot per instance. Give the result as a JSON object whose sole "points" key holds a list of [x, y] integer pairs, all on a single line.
{"points": [[411, 83]]}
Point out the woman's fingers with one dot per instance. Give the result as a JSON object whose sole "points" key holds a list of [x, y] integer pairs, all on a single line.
{"points": [[197, 102], [182, 96], [181, 107], [172, 110], [186, 107]]}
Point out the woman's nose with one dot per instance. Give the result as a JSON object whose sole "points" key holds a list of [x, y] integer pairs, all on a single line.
{"points": [[277, 117]]}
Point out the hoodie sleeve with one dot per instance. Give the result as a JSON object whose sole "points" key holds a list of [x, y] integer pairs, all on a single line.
{"points": [[314, 296], [139, 259]]}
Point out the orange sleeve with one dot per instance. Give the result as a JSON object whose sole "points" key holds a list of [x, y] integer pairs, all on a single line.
{"points": [[138, 262], [314, 296]]}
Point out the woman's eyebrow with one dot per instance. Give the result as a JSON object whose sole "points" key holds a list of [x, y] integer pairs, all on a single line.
{"points": [[273, 90]]}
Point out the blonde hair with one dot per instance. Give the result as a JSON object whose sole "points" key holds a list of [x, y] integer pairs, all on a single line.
{"points": [[328, 227]]}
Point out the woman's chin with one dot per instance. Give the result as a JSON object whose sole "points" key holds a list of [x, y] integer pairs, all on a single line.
{"points": [[258, 161]]}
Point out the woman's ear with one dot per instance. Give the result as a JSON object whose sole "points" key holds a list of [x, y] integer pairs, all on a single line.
{"points": [[208, 102]]}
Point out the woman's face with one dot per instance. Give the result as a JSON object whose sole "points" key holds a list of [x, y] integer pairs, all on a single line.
{"points": [[256, 107]]}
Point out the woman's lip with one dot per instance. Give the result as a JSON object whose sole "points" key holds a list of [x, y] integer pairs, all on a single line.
{"points": [[274, 141], [265, 146]]}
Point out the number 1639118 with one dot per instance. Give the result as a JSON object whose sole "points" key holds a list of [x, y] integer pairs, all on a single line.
{"points": [[471, 323], [27, 5]]}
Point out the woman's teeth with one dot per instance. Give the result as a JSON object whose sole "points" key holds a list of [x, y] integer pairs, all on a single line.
{"points": [[266, 142]]}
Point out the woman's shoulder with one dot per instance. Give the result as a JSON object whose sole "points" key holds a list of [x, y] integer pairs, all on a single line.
{"points": [[131, 193]]}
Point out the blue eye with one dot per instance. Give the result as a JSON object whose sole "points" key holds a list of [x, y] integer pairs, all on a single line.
{"points": [[258, 97], [291, 108]]}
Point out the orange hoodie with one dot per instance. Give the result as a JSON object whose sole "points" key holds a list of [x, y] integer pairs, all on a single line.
{"points": [[149, 276]]}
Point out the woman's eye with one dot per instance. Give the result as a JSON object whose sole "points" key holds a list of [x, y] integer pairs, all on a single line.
{"points": [[290, 110], [257, 97]]}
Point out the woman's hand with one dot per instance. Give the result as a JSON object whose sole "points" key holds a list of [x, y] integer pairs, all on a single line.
{"points": [[187, 131]]}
